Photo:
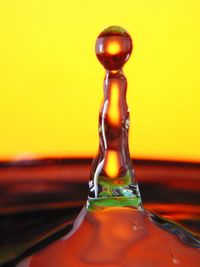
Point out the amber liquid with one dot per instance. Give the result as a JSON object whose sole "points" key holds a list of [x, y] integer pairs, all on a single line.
{"points": [[38, 203], [119, 237]]}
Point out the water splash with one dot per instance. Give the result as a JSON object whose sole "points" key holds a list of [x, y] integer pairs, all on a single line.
{"points": [[112, 181]]}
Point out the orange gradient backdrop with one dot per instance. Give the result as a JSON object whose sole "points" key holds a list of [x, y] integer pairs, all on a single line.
{"points": [[51, 82]]}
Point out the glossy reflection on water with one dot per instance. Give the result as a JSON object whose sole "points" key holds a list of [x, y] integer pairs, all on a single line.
{"points": [[119, 237]]}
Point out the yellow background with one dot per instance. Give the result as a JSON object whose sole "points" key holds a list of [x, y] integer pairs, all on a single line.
{"points": [[51, 81]]}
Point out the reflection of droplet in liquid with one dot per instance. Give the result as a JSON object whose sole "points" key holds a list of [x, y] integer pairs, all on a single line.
{"points": [[118, 232]]}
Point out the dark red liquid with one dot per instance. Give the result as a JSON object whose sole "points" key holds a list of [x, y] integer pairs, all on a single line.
{"points": [[113, 48], [39, 199], [119, 237]]}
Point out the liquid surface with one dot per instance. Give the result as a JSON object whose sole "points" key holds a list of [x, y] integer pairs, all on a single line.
{"points": [[39, 201], [120, 237]]}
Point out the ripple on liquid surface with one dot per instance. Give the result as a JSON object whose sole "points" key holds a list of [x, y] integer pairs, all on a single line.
{"points": [[120, 237]]}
